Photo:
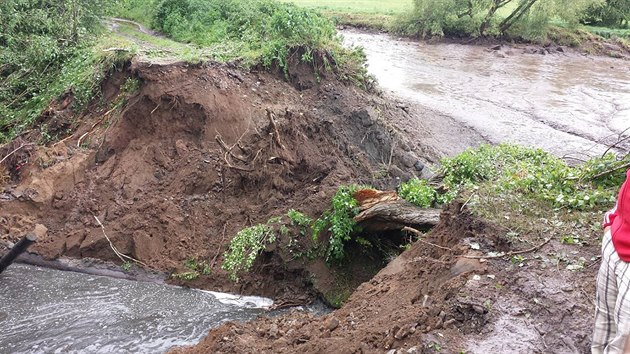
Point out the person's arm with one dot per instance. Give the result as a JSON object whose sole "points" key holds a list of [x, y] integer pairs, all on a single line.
{"points": [[609, 217]]}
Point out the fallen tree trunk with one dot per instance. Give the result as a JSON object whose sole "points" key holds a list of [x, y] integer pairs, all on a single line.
{"points": [[396, 215]]}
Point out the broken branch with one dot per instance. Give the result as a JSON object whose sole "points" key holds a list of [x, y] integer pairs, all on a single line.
{"points": [[120, 255], [16, 150], [419, 234]]}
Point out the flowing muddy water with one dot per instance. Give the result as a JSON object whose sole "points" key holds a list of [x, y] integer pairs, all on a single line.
{"points": [[51, 311], [565, 103]]}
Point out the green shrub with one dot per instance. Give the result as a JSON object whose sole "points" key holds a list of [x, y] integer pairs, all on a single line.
{"points": [[418, 192], [534, 174], [245, 247], [339, 221], [196, 269], [255, 30], [44, 52], [299, 219]]}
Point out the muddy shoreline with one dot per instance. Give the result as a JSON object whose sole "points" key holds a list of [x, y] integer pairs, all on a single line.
{"points": [[593, 46], [93, 266], [564, 103]]}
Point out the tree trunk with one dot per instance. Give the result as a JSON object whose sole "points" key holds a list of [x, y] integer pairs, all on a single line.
{"points": [[516, 15], [396, 215]]}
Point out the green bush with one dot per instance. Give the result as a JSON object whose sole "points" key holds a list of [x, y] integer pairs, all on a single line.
{"points": [[245, 247], [43, 52], [339, 221], [257, 31], [418, 192], [534, 174]]}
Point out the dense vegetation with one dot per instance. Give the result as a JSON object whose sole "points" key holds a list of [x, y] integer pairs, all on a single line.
{"points": [[528, 19], [45, 50], [254, 32], [611, 13]]}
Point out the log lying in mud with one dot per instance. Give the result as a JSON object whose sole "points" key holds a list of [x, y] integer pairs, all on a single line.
{"points": [[16, 250], [395, 215]]}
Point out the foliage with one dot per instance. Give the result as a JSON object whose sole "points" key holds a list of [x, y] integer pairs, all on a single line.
{"points": [[339, 221], [245, 247], [298, 218], [418, 192], [534, 174], [613, 13], [527, 19], [196, 269], [43, 53], [255, 32]]}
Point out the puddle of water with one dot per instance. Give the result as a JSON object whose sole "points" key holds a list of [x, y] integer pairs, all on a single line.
{"points": [[561, 103], [51, 311]]}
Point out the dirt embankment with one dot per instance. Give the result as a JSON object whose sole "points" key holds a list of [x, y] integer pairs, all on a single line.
{"points": [[197, 154], [436, 297]]}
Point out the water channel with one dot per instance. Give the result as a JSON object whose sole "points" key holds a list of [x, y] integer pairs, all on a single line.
{"points": [[51, 311], [563, 102]]}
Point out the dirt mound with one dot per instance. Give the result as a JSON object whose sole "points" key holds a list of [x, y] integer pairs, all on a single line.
{"points": [[437, 297], [175, 170]]}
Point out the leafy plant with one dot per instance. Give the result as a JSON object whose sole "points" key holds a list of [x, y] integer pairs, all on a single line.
{"points": [[298, 218], [196, 269], [245, 247], [418, 192], [44, 52], [339, 221], [535, 174]]}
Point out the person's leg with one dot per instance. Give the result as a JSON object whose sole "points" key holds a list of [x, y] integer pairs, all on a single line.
{"points": [[606, 298], [622, 308]]}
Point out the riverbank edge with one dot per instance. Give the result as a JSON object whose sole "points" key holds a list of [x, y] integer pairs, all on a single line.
{"points": [[587, 43]]}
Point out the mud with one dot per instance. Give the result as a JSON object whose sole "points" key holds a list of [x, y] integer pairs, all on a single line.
{"points": [[431, 299], [561, 100], [199, 153]]}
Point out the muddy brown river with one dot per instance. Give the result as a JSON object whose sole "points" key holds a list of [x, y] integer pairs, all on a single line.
{"points": [[565, 103]]}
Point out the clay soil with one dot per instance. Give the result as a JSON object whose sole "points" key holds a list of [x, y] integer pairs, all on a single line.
{"points": [[437, 298], [175, 170], [199, 152]]}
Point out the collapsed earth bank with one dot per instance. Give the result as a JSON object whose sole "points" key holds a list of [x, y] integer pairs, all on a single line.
{"points": [[171, 168]]}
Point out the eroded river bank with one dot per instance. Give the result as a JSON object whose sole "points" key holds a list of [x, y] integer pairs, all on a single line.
{"points": [[162, 198]]}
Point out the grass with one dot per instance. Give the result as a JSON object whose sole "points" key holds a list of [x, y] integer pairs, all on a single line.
{"points": [[390, 7], [159, 47], [373, 14], [609, 32], [81, 73]]}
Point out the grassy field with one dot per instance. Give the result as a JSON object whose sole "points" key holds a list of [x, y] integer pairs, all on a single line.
{"points": [[386, 7], [372, 14]]}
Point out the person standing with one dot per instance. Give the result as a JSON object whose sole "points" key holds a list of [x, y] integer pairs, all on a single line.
{"points": [[611, 334]]}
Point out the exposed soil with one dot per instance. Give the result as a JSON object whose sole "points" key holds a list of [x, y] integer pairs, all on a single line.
{"points": [[199, 153], [432, 299], [175, 170]]}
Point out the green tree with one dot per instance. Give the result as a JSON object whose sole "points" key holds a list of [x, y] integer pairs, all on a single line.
{"points": [[613, 13], [491, 17]]}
